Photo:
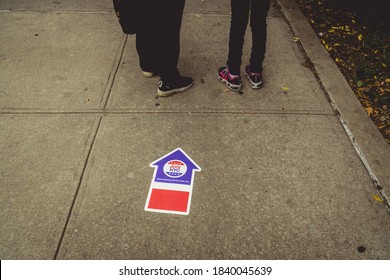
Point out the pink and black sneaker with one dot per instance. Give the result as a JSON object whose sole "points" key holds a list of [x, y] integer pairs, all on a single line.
{"points": [[233, 82], [256, 79]]}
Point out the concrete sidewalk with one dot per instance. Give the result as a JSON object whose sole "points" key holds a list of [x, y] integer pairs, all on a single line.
{"points": [[286, 174]]}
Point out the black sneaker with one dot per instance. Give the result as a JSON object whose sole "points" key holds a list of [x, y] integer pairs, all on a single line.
{"points": [[256, 79], [179, 85], [232, 83]]}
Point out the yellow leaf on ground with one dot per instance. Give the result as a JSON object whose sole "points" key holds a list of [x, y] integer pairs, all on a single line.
{"points": [[284, 88], [360, 37], [369, 110], [377, 198], [387, 80]]}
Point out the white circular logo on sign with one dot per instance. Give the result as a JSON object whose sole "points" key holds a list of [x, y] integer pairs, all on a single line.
{"points": [[175, 168]]}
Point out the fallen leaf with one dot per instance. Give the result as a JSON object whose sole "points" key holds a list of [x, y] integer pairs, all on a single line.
{"points": [[360, 37], [360, 83], [387, 80], [369, 110], [377, 198], [284, 88]]}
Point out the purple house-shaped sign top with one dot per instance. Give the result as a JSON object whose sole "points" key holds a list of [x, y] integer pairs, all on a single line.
{"points": [[175, 168]]}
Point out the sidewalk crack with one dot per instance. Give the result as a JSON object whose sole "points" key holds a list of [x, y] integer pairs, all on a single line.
{"points": [[90, 143]]}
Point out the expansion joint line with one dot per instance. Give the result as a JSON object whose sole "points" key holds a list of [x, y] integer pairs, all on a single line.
{"points": [[90, 144], [92, 138], [113, 74]]}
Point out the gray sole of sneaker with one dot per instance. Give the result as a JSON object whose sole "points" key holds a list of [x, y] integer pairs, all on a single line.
{"points": [[230, 86], [254, 85], [171, 92]]}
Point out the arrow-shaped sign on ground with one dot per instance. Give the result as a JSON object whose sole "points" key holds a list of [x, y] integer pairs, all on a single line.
{"points": [[171, 187]]}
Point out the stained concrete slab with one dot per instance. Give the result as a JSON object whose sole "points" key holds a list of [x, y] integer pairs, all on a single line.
{"points": [[280, 178], [56, 61], [192, 6], [202, 53], [57, 5], [207, 7], [42, 157], [267, 190]]}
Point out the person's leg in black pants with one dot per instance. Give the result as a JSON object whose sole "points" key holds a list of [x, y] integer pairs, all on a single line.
{"points": [[238, 24], [259, 11], [158, 43], [158, 36], [239, 21], [168, 47], [146, 35]]}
